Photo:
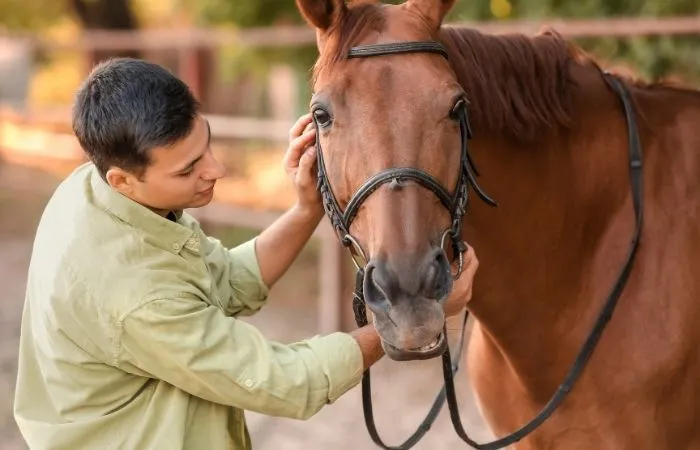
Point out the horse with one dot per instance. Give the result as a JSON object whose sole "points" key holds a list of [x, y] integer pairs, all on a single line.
{"points": [[551, 139]]}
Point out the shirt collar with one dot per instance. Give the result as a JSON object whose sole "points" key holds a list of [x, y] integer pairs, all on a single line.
{"points": [[168, 234]]}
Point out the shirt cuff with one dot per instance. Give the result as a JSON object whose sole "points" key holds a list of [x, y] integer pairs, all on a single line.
{"points": [[246, 256], [341, 359]]}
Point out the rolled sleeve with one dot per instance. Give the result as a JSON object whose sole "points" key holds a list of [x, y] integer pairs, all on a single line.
{"points": [[338, 352], [197, 348], [245, 276], [236, 273]]}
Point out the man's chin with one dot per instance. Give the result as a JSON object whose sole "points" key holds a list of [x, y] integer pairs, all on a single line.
{"points": [[201, 199]]}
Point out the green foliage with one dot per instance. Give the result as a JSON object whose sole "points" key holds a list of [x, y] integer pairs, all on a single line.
{"points": [[652, 56], [30, 15], [244, 13]]}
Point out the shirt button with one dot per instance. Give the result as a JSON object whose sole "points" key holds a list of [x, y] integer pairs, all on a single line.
{"points": [[176, 246], [249, 383]]}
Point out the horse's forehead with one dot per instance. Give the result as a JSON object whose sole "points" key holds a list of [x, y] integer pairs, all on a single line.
{"points": [[404, 25]]}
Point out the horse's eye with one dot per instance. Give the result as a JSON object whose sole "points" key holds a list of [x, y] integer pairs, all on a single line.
{"points": [[322, 117], [457, 108]]}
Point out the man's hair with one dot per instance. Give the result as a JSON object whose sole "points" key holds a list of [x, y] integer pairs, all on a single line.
{"points": [[126, 108]]}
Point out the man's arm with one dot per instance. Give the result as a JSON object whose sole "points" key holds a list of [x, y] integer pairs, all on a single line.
{"points": [[279, 245], [248, 271], [194, 346], [238, 286], [276, 248]]}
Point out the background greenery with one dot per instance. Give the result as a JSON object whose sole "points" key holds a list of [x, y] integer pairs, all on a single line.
{"points": [[653, 57]]}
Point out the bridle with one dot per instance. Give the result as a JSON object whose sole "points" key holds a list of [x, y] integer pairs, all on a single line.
{"points": [[457, 203]]}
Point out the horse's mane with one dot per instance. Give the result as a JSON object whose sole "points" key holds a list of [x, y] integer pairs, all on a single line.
{"points": [[521, 106]]}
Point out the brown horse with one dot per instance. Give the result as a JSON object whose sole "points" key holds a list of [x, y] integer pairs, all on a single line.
{"points": [[550, 141]]}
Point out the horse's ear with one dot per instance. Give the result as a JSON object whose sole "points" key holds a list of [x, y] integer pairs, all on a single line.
{"points": [[433, 10], [320, 13]]}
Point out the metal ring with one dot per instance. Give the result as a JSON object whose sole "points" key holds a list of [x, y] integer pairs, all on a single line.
{"points": [[357, 249], [447, 232], [460, 267]]}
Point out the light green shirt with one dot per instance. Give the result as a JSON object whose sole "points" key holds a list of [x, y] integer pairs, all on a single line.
{"points": [[130, 338]]}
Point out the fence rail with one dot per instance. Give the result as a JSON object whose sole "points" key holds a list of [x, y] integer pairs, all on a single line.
{"points": [[292, 36], [222, 126]]}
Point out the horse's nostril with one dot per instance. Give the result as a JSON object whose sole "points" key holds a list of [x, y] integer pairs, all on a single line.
{"points": [[431, 274], [375, 285], [436, 281]]}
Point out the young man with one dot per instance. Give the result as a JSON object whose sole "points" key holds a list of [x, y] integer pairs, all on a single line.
{"points": [[130, 337]]}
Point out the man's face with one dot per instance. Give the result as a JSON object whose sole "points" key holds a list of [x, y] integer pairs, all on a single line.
{"points": [[180, 176]]}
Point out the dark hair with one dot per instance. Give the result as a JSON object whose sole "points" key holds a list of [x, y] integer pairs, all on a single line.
{"points": [[126, 108]]}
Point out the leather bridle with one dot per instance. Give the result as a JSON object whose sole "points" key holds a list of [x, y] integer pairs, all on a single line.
{"points": [[457, 203]]}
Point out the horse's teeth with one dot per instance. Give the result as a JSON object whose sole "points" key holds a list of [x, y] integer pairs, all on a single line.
{"points": [[430, 346]]}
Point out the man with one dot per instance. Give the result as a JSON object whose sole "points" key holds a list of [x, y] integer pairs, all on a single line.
{"points": [[130, 337]]}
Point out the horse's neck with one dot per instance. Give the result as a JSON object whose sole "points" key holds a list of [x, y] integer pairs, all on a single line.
{"points": [[562, 213]]}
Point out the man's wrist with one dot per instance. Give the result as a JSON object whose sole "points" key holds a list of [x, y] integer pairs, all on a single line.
{"points": [[308, 213], [370, 345]]}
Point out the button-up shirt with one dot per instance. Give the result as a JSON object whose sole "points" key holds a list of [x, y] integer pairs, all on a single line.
{"points": [[130, 337]]}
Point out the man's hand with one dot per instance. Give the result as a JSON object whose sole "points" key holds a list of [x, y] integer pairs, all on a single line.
{"points": [[301, 166], [462, 289]]}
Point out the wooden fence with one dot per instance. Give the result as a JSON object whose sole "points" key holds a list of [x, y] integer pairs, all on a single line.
{"points": [[294, 36]]}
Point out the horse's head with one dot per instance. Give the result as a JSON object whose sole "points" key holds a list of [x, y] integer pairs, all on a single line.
{"points": [[379, 116]]}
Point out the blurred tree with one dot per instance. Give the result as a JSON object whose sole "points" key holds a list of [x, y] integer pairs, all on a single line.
{"points": [[106, 15], [245, 13], [39, 15], [22, 15]]}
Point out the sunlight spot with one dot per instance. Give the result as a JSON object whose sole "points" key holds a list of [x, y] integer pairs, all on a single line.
{"points": [[501, 8]]}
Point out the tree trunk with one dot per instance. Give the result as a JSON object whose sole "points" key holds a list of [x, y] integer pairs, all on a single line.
{"points": [[106, 15]]}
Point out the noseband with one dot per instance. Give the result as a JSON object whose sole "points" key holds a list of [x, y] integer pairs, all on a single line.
{"points": [[456, 203]]}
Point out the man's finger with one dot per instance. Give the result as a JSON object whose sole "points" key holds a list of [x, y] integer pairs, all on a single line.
{"points": [[471, 262], [470, 259], [307, 168], [299, 126], [297, 147]]}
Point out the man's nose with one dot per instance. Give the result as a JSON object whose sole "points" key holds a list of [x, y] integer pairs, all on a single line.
{"points": [[215, 169]]}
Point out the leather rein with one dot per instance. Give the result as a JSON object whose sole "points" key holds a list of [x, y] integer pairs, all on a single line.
{"points": [[457, 203]]}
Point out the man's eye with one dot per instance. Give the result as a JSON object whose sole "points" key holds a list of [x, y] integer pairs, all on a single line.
{"points": [[186, 173]]}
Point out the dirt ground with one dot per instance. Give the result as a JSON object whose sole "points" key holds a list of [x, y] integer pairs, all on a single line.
{"points": [[402, 392]]}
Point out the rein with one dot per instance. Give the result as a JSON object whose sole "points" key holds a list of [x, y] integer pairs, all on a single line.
{"points": [[457, 204]]}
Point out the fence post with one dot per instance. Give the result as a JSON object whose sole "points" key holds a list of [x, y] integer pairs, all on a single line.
{"points": [[335, 288], [189, 66]]}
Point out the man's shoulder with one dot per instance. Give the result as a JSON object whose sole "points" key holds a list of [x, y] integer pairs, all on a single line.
{"points": [[71, 194], [80, 246]]}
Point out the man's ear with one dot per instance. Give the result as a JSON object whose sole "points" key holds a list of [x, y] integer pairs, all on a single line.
{"points": [[434, 10], [321, 13], [120, 180]]}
